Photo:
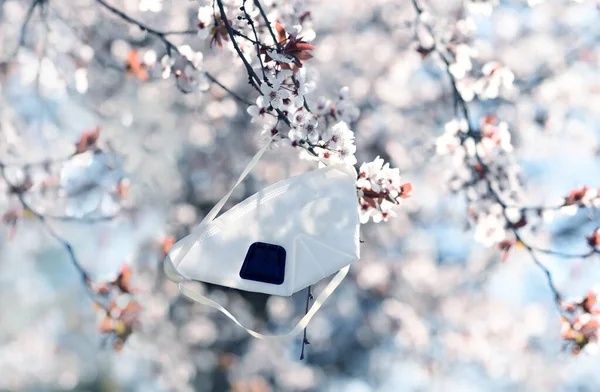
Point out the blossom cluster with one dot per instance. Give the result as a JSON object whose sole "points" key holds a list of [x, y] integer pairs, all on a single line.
{"points": [[323, 133], [492, 80], [118, 310], [581, 322], [87, 184], [495, 80], [286, 79], [343, 109], [483, 167], [186, 67], [485, 170], [379, 190], [87, 181], [583, 197], [149, 121]]}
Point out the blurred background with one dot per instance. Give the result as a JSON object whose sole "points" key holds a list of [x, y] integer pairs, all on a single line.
{"points": [[427, 308]]}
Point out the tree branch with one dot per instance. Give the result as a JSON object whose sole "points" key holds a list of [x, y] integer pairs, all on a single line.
{"points": [[233, 94], [461, 103], [251, 23], [253, 78], [25, 25], [162, 36], [85, 277], [267, 23]]}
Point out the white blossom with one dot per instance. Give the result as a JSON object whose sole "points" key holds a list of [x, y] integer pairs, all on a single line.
{"points": [[462, 64], [293, 103], [257, 111], [280, 57], [192, 56], [322, 107], [496, 79], [305, 129], [338, 136], [150, 5], [379, 189], [167, 63], [205, 21], [305, 85], [273, 92]]}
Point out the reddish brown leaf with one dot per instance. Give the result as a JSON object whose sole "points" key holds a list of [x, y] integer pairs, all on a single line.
{"points": [[505, 246], [304, 16], [594, 239], [479, 168], [112, 306], [106, 325], [219, 34], [589, 330], [301, 45], [123, 188], [424, 52], [10, 217], [521, 223], [167, 243], [281, 34], [130, 314], [489, 119], [226, 360], [22, 187], [370, 202], [576, 195], [304, 56], [124, 279], [569, 306], [291, 46], [135, 67], [588, 303], [405, 190], [87, 139], [103, 289], [119, 344]]}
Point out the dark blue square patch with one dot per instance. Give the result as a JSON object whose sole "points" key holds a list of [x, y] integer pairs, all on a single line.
{"points": [[264, 263]]}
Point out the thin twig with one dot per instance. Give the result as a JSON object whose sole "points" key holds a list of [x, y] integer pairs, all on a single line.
{"points": [[253, 78], [170, 46], [267, 23], [461, 103], [305, 341], [85, 277], [25, 25], [255, 42], [547, 273], [233, 94], [141, 25], [182, 32], [251, 23], [564, 255], [80, 219]]}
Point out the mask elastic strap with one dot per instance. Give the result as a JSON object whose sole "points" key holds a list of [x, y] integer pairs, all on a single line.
{"points": [[319, 301], [172, 262]]}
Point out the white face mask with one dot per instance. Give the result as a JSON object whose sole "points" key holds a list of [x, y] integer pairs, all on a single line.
{"points": [[279, 241]]}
